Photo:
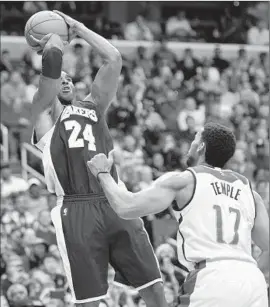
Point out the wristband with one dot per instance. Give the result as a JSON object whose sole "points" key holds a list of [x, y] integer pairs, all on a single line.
{"points": [[52, 62], [102, 172]]}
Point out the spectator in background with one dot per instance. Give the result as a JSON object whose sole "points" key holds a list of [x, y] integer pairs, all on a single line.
{"points": [[5, 63], [37, 251], [122, 115], [19, 217], [76, 63], [155, 28], [259, 34], [152, 134], [44, 228], [143, 60], [31, 88], [171, 153], [220, 63], [158, 166], [189, 133], [210, 73], [178, 27], [36, 201], [138, 30], [163, 53], [69, 7], [262, 187], [188, 64], [4, 77], [242, 61], [81, 90], [167, 257], [13, 93], [11, 184], [132, 154], [18, 296], [32, 7], [190, 110], [261, 158]]}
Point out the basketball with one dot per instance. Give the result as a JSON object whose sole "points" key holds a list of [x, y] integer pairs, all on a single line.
{"points": [[43, 23]]}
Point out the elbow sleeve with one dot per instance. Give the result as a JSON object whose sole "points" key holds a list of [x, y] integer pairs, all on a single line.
{"points": [[52, 63]]}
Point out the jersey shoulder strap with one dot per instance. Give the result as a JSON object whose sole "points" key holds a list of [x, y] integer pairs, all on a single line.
{"points": [[221, 174]]}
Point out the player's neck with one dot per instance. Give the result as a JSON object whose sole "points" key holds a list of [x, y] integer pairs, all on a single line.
{"points": [[209, 165]]}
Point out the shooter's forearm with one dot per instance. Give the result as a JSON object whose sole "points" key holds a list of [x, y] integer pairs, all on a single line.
{"points": [[99, 43]]}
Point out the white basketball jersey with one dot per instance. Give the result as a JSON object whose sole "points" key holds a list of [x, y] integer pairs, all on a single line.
{"points": [[217, 223]]}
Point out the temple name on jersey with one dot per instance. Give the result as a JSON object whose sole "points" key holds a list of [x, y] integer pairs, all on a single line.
{"points": [[72, 110], [225, 189]]}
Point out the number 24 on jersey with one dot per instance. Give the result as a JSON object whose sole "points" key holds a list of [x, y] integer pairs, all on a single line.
{"points": [[74, 141]]}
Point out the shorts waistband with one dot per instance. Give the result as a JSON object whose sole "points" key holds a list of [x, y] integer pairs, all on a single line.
{"points": [[82, 197], [204, 263]]}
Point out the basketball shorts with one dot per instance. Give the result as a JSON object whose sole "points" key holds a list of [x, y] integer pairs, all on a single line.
{"points": [[226, 283], [90, 235]]}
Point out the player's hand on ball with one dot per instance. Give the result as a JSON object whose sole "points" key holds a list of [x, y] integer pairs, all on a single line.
{"points": [[72, 24], [45, 39], [100, 163]]}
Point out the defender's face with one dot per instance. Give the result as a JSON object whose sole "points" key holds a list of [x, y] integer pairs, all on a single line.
{"points": [[196, 149], [67, 89]]}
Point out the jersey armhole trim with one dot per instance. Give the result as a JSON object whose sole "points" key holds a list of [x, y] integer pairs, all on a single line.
{"points": [[37, 143], [193, 192], [253, 198]]}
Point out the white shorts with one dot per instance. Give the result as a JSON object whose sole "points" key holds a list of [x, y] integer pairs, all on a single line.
{"points": [[225, 283]]}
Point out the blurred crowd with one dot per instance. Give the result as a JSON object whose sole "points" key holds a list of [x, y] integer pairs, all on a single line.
{"points": [[244, 22], [162, 101]]}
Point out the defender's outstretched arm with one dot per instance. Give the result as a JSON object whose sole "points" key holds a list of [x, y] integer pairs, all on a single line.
{"points": [[127, 205]]}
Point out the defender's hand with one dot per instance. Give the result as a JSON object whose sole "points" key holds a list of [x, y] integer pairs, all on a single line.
{"points": [[100, 163], [72, 25], [46, 39]]}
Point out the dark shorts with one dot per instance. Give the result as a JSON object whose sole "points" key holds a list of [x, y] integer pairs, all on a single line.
{"points": [[90, 235]]}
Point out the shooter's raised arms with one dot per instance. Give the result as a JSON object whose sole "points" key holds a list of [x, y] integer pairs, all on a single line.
{"points": [[106, 81]]}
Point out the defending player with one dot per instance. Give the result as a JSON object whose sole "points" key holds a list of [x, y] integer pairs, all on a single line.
{"points": [[69, 133], [218, 215]]}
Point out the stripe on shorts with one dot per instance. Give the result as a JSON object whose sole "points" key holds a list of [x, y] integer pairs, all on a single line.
{"points": [[57, 222]]}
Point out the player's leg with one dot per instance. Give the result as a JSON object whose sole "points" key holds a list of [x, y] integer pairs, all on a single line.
{"points": [[224, 284], [259, 294], [132, 255], [84, 251]]}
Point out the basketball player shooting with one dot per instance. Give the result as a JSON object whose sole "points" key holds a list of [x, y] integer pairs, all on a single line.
{"points": [[69, 133], [219, 215]]}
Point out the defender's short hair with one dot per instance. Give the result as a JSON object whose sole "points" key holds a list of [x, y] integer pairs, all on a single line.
{"points": [[220, 144]]}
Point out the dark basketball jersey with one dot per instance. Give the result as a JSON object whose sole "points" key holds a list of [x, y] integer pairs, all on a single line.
{"points": [[77, 136]]}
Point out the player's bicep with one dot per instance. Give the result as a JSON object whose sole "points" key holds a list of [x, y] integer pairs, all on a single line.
{"points": [[41, 119], [260, 232], [105, 84], [156, 197]]}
